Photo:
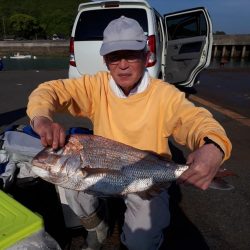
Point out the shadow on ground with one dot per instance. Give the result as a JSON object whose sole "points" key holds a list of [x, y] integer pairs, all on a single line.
{"points": [[182, 233]]}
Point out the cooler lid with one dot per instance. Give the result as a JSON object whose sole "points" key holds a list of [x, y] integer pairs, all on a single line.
{"points": [[16, 221]]}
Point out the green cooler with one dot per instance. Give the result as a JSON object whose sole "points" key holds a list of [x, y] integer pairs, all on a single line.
{"points": [[20, 226]]}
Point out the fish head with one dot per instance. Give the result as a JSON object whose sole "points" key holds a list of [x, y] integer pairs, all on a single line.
{"points": [[50, 165]]}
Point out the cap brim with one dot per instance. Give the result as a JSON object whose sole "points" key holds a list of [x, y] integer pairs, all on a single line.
{"points": [[109, 47]]}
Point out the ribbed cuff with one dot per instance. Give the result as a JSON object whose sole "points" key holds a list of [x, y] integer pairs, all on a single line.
{"points": [[209, 141]]}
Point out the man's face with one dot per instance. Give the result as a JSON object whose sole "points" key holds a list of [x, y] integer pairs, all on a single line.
{"points": [[126, 67]]}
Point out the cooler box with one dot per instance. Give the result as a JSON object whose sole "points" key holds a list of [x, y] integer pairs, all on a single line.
{"points": [[16, 222]]}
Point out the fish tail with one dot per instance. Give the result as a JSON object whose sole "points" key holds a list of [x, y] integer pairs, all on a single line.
{"points": [[219, 183], [225, 173]]}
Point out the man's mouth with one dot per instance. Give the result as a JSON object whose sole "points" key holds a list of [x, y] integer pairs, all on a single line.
{"points": [[124, 75]]}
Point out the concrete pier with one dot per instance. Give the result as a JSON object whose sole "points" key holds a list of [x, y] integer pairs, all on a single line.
{"points": [[231, 46]]}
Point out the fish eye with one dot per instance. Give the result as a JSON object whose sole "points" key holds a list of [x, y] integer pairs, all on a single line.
{"points": [[58, 151]]}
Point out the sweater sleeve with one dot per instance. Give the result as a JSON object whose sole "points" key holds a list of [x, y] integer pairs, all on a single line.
{"points": [[191, 124], [72, 96]]}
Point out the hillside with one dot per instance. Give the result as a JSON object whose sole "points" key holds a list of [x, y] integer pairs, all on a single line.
{"points": [[40, 17]]}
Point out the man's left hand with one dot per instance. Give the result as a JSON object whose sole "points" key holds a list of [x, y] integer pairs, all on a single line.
{"points": [[204, 164]]}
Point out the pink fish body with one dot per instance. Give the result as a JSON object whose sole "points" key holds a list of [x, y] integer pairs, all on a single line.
{"points": [[98, 165]]}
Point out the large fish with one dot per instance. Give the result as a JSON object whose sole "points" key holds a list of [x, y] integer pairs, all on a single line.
{"points": [[105, 167]]}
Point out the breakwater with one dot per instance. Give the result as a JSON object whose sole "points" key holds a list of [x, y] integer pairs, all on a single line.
{"points": [[224, 46], [35, 47]]}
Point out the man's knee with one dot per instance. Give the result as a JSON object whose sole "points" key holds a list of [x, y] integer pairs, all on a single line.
{"points": [[81, 203], [141, 239]]}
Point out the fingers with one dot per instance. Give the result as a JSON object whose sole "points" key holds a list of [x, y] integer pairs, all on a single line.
{"points": [[198, 179], [51, 133], [199, 174], [58, 136], [62, 137], [203, 165]]}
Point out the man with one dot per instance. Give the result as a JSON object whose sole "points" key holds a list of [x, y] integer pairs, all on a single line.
{"points": [[127, 105]]}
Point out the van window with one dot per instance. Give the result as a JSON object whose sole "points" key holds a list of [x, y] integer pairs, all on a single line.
{"points": [[91, 24], [186, 26]]}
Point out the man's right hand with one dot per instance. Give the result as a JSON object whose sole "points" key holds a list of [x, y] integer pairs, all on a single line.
{"points": [[51, 133]]}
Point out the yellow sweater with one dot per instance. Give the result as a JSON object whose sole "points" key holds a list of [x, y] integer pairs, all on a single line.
{"points": [[143, 120]]}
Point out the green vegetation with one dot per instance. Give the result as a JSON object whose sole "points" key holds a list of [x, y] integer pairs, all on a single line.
{"points": [[219, 33], [37, 19]]}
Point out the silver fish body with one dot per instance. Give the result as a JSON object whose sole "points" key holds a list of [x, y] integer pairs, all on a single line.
{"points": [[98, 165]]}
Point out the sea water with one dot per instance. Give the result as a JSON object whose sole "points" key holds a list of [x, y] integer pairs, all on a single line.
{"points": [[43, 63]]}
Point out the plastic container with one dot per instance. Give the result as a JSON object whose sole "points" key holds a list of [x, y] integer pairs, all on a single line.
{"points": [[20, 228]]}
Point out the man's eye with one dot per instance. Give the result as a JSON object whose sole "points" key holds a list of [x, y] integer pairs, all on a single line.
{"points": [[114, 58], [131, 57]]}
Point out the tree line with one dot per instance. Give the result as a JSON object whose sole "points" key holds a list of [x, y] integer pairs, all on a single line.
{"points": [[37, 19]]}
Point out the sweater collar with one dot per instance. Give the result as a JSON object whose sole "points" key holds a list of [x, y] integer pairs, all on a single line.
{"points": [[139, 88]]}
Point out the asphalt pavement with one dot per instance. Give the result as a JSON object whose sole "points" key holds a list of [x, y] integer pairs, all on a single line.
{"points": [[211, 219]]}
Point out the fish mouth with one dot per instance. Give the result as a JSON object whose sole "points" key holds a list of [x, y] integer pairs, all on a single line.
{"points": [[46, 175], [40, 172], [38, 163]]}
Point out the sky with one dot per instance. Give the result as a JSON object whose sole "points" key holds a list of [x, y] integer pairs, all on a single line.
{"points": [[230, 16]]}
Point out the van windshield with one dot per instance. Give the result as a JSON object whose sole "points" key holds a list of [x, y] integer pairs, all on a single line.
{"points": [[91, 24]]}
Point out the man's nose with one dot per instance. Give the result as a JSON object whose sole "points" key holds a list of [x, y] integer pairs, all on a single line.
{"points": [[123, 63]]}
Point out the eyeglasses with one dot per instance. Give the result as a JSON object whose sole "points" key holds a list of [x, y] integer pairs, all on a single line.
{"points": [[115, 58]]}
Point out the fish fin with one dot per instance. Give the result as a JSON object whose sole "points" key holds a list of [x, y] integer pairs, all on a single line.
{"points": [[93, 171], [220, 184], [98, 194], [153, 191], [225, 173]]}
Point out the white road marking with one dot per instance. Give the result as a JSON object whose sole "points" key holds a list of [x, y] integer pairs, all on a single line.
{"points": [[231, 114]]}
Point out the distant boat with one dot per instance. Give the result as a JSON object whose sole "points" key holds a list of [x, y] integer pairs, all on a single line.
{"points": [[20, 56]]}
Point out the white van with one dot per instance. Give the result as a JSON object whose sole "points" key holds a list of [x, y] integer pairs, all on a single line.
{"points": [[180, 43]]}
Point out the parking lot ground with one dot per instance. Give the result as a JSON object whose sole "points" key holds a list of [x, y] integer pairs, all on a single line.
{"points": [[211, 219]]}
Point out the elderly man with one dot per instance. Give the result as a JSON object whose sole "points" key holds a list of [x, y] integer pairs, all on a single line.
{"points": [[127, 105]]}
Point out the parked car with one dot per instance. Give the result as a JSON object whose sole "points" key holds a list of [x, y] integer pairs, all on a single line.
{"points": [[180, 43]]}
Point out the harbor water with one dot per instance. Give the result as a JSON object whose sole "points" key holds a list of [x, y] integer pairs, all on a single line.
{"points": [[37, 63], [43, 63]]}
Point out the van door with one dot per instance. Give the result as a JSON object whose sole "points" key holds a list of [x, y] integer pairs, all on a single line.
{"points": [[188, 45]]}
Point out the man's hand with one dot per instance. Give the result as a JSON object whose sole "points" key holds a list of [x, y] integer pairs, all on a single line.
{"points": [[51, 133], [204, 164]]}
